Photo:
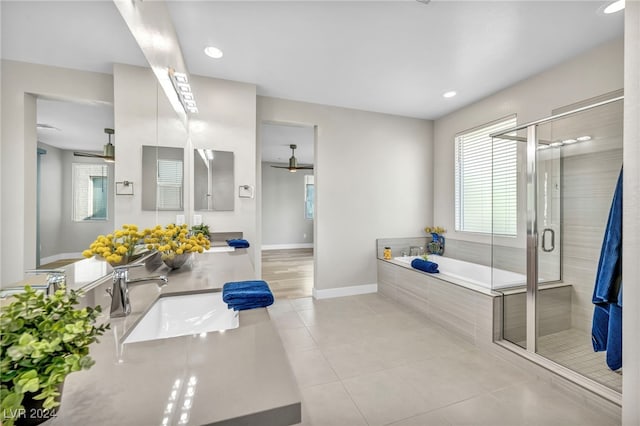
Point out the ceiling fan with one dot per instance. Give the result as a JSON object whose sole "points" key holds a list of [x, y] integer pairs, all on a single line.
{"points": [[293, 162], [108, 152]]}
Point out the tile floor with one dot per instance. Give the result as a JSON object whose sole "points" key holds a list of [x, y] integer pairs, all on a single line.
{"points": [[365, 360]]}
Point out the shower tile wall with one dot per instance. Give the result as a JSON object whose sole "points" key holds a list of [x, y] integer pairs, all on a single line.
{"points": [[587, 190]]}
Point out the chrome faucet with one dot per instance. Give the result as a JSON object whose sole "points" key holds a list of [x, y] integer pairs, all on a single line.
{"points": [[119, 292], [55, 280]]}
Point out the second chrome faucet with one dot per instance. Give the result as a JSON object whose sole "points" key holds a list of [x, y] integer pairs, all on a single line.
{"points": [[119, 291]]}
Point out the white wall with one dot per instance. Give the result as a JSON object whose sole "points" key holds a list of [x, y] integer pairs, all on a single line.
{"points": [[142, 116], [631, 219], [591, 74], [283, 207], [226, 121], [21, 83], [373, 179]]}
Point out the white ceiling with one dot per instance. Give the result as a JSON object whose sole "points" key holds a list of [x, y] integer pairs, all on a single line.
{"points": [[396, 57], [277, 137], [78, 126]]}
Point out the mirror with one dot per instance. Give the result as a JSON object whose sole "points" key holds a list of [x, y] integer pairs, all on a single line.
{"points": [[162, 178], [213, 180]]}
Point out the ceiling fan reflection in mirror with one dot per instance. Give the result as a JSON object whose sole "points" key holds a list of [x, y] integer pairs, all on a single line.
{"points": [[108, 152], [293, 162]]}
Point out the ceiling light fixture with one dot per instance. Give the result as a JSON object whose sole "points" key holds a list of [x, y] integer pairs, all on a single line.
{"points": [[180, 83], [583, 138], [614, 7], [449, 94], [213, 52], [108, 151], [569, 141]]}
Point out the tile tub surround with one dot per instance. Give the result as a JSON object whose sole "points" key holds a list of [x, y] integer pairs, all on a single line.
{"points": [[473, 312], [241, 376], [368, 359]]}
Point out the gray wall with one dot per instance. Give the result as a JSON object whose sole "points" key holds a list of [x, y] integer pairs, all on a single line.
{"points": [[50, 200], [59, 234], [373, 176], [283, 218]]}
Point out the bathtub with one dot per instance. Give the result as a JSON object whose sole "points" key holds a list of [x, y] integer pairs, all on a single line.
{"points": [[461, 272]]}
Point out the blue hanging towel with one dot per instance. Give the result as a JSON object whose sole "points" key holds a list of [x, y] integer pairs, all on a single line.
{"points": [[606, 331]]}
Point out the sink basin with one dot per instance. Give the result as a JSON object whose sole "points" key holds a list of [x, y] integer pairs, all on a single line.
{"points": [[173, 316], [219, 249]]}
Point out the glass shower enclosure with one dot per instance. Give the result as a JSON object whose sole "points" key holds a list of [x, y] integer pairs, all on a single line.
{"points": [[568, 166]]}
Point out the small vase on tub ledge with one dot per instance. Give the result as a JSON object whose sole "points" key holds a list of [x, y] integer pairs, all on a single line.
{"points": [[436, 245], [175, 243], [44, 338]]}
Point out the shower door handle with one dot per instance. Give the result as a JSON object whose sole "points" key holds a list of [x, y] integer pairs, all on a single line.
{"points": [[544, 240]]}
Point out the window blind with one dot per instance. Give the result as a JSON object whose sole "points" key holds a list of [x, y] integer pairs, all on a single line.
{"points": [[486, 180], [169, 185]]}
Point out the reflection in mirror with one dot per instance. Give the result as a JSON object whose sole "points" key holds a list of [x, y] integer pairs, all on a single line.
{"points": [[90, 191], [213, 180], [162, 178]]}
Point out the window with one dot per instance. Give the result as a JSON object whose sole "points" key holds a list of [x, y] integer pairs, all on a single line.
{"points": [[90, 191], [169, 194], [309, 196], [486, 180]]}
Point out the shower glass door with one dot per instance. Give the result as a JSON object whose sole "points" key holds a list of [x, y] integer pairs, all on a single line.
{"points": [[568, 167]]}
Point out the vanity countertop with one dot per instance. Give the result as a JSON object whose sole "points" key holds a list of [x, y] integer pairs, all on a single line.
{"points": [[239, 376]]}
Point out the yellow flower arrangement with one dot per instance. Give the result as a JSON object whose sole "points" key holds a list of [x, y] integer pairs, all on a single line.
{"points": [[174, 240], [434, 230], [117, 247]]}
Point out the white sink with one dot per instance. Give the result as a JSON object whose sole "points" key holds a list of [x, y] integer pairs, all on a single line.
{"points": [[219, 249], [182, 315]]}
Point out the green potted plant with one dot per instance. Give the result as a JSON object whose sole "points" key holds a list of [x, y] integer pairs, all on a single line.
{"points": [[200, 229], [44, 338]]}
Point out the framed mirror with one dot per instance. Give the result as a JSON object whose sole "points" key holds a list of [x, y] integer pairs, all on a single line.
{"points": [[162, 178], [213, 180]]}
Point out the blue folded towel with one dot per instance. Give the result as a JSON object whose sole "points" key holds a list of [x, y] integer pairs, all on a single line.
{"points": [[238, 243], [425, 265], [242, 295]]}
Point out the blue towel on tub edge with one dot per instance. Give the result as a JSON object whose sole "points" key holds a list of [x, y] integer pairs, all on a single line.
{"points": [[238, 243], [425, 265], [243, 295]]}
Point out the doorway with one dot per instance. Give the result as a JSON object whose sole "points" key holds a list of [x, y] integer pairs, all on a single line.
{"points": [[288, 208], [75, 193]]}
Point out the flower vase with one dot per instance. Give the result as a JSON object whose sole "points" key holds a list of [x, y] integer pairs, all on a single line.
{"points": [[175, 261]]}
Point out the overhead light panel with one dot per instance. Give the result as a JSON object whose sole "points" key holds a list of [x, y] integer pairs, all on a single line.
{"points": [[614, 7], [449, 94], [181, 85]]}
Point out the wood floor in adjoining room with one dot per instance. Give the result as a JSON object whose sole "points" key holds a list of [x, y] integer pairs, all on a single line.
{"points": [[289, 272]]}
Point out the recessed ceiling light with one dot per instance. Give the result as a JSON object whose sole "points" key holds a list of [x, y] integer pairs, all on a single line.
{"points": [[449, 94], [614, 7], [213, 52], [583, 138]]}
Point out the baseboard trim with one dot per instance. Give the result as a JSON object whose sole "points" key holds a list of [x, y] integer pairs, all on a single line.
{"points": [[286, 246], [353, 290], [59, 256]]}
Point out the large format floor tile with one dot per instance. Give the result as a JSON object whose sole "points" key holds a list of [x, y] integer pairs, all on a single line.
{"points": [[368, 360]]}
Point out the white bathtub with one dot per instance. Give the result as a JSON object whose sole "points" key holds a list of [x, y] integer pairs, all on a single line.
{"points": [[455, 270]]}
